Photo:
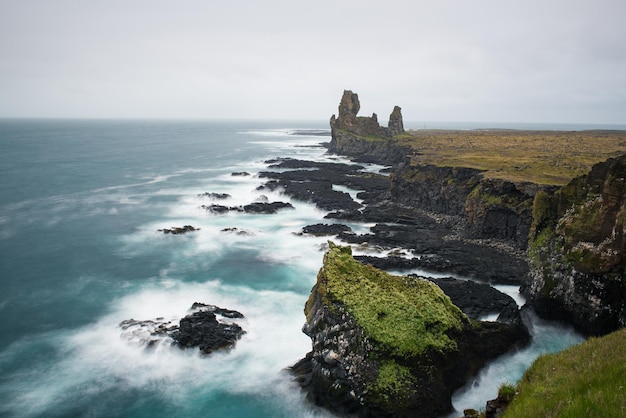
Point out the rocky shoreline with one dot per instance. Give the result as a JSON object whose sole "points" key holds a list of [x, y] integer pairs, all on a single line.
{"points": [[450, 219]]}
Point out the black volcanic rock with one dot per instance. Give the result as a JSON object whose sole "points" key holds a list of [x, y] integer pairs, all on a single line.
{"points": [[266, 208], [326, 229], [215, 196], [202, 329], [210, 328], [175, 230], [478, 300]]}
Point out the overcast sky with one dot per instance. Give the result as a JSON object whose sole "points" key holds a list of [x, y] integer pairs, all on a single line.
{"points": [[440, 60]]}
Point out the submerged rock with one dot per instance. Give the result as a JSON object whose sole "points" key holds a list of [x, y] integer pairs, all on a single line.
{"points": [[179, 229], [326, 229], [215, 196]]}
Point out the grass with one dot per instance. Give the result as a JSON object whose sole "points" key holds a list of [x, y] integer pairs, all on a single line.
{"points": [[542, 157], [587, 380], [405, 316]]}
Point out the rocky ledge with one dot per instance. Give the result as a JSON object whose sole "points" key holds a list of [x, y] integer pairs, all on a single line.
{"points": [[207, 327], [388, 345]]}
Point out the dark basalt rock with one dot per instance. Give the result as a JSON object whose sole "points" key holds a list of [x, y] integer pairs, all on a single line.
{"points": [[578, 251], [313, 182], [266, 208], [478, 300], [361, 137], [326, 229], [240, 174], [201, 328], [215, 196], [256, 208], [175, 230]]}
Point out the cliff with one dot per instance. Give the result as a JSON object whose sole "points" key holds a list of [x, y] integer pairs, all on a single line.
{"points": [[578, 250], [489, 208], [361, 137], [391, 346]]}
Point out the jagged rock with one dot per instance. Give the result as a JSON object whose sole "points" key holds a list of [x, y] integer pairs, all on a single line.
{"points": [[266, 208], [478, 300], [326, 229], [390, 346], [202, 329], [215, 196], [179, 229], [313, 182], [255, 207], [395, 126], [578, 251], [219, 209], [362, 137]]}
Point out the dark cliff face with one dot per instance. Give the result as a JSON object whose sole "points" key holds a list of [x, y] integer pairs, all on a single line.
{"points": [[362, 137], [578, 250], [491, 208]]}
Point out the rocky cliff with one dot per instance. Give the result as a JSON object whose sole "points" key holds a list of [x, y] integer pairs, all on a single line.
{"points": [[489, 208], [578, 250], [361, 137], [390, 346]]}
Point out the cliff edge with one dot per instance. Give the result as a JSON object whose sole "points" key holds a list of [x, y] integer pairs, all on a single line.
{"points": [[578, 250]]}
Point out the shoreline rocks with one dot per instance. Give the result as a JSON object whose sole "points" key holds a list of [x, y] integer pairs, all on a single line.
{"points": [[208, 327]]}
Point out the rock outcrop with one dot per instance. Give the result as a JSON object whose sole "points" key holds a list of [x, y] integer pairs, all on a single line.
{"points": [[489, 208], [390, 346], [207, 327], [361, 137], [578, 250]]}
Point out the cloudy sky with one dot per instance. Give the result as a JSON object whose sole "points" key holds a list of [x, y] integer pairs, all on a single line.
{"points": [[444, 60]]}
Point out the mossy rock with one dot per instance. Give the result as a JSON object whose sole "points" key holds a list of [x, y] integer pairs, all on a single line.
{"points": [[406, 316]]}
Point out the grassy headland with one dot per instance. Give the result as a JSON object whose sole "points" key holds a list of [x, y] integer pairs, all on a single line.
{"points": [[542, 157], [587, 380]]}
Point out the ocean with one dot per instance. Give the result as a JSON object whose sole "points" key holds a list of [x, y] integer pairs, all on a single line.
{"points": [[81, 205]]}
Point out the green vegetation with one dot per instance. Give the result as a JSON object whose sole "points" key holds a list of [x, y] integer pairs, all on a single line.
{"points": [[394, 383], [406, 316], [507, 392], [587, 380], [542, 157]]}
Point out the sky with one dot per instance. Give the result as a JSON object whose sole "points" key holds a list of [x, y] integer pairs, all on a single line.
{"points": [[446, 60]]}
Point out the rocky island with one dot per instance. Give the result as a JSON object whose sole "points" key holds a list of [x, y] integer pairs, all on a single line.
{"points": [[463, 202]]}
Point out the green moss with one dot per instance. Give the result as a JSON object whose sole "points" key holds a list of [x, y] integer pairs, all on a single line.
{"points": [[587, 380], [406, 316], [393, 383]]}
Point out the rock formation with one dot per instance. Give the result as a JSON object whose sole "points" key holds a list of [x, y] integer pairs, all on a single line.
{"points": [[362, 137], [578, 250], [207, 327], [390, 346]]}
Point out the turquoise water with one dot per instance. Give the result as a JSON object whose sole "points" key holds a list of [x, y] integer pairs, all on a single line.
{"points": [[80, 206]]}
